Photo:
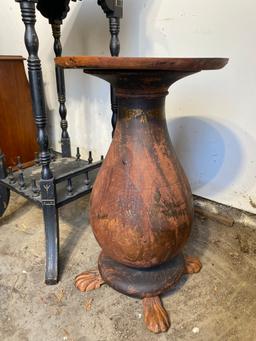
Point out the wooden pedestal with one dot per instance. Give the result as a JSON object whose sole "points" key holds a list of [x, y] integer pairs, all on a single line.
{"points": [[141, 207]]}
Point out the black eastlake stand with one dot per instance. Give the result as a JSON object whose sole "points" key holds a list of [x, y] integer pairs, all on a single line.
{"points": [[61, 179]]}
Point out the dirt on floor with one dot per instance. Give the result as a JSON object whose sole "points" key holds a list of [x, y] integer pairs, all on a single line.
{"points": [[217, 304]]}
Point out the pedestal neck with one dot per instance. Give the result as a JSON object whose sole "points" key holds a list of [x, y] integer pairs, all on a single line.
{"points": [[140, 83]]}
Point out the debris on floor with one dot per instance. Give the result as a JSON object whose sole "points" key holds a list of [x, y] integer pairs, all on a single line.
{"points": [[88, 304]]}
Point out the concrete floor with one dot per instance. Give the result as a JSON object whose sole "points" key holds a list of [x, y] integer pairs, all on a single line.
{"points": [[217, 304]]}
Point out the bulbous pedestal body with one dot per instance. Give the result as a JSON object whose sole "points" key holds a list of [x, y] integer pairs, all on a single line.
{"points": [[141, 205]]}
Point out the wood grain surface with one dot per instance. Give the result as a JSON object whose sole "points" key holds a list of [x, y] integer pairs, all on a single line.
{"points": [[17, 127], [129, 63]]}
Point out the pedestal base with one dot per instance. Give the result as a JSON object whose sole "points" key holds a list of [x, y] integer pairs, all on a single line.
{"points": [[146, 284], [141, 283]]}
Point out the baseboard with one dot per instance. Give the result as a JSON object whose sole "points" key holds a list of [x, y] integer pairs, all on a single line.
{"points": [[222, 213]]}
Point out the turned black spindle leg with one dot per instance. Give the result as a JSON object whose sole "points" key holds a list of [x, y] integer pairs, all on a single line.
{"points": [[4, 192], [22, 185], [78, 155], [60, 81], [19, 164], [114, 12], [47, 184], [114, 27], [69, 187], [35, 189], [87, 181], [11, 177], [90, 158]]}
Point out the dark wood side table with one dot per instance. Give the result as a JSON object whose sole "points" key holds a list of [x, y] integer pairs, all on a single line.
{"points": [[141, 207], [67, 178]]}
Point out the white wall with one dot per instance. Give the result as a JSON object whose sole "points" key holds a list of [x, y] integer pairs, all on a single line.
{"points": [[211, 115]]}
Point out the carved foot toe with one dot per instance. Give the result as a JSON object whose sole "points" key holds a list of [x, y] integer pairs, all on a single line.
{"points": [[192, 265], [89, 280], [155, 316]]}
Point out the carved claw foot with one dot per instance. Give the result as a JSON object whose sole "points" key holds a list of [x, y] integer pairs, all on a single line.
{"points": [[89, 280], [155, 316], [192, 265]]}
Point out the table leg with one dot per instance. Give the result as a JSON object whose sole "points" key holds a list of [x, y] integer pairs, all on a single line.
{"points": [[114, 27], [60, 81], [48, 192], [51, 222], [4, 192]]}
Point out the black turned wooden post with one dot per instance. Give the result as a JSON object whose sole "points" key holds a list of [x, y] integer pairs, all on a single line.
{"points": [[4, 192], [114, 12], [47, 185], [114, 27], [60, 80], [56, 12]]}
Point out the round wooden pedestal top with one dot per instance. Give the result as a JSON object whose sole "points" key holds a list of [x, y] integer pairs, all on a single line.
{"points": [[129, 63]]}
